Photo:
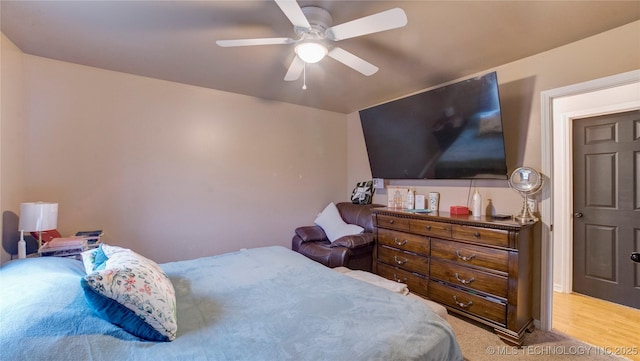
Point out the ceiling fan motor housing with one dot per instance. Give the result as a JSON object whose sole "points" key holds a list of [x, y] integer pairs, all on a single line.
{"points": [[319, 19]]}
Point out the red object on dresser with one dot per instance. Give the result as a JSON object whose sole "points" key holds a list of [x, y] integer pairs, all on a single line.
{"points": [[459, 210]]}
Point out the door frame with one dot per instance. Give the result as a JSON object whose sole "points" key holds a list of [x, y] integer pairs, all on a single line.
{"points": [[559, 107]]}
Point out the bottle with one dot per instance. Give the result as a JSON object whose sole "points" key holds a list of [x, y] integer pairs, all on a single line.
{"points": [[410, 199], [477, 204], [22, 248], [489, 209], [397, 200], [434, 201]]}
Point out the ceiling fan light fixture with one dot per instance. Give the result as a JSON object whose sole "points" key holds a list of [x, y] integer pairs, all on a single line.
{"points": [[311, 52]]}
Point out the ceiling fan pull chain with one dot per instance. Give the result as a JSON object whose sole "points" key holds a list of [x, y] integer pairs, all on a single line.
{"points": [[304, 76]]}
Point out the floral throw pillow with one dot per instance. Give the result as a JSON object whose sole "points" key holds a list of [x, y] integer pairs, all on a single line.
{"points": [[134, 293]]}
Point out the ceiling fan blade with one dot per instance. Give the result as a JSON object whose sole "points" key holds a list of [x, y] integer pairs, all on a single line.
{"points": [[251, 42], [293, 11], [295, 69], [386, 20], [353, 61]]}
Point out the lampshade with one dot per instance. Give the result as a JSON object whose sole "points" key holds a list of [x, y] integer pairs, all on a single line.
{"points": [[38, 216], [311, 52]]}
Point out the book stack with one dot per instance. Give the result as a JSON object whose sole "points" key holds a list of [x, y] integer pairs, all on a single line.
{"points": [[70, 247], [92, 238]]}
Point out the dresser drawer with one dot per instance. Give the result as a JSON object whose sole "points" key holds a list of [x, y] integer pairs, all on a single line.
{"points": [[428, 228], [416, 283], [495, 237], [469, 277], [401, 224], [477, 305], [405, 260], [404, 241], [471, 255]]}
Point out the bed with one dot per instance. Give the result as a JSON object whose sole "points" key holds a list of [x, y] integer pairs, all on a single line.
{"points": [[258, 304]]}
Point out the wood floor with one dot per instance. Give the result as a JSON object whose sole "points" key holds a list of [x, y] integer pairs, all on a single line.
{"points": [[614, 327]]}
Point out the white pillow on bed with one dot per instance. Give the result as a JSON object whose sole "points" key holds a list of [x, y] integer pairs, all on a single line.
{"points": [[333, 225], [134, 293]]}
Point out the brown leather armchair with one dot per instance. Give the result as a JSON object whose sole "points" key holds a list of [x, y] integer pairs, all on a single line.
{"points": [[354, 251]]}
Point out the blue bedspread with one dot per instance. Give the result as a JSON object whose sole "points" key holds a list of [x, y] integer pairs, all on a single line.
{"points": [[259, 304]]}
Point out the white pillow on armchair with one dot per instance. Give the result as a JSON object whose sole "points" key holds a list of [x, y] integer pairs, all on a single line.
{"points": [[333, 225]]}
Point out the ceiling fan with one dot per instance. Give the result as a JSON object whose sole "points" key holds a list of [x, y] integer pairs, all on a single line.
{"points": [[314, 30]]}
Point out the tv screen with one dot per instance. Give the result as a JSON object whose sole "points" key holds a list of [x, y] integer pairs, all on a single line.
{"points": [[451, 132]]}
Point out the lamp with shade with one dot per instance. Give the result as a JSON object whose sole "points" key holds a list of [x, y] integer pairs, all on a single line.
{"points": [[36, 217]]}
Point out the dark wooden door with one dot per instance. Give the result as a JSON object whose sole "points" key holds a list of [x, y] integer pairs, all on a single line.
{"points": [[606, 206]]}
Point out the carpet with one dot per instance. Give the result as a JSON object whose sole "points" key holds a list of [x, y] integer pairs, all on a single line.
{"points": [[480, 343]]}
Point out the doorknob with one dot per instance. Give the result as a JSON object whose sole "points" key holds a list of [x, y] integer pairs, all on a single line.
{"points": [[578, 214], [635, 257]]}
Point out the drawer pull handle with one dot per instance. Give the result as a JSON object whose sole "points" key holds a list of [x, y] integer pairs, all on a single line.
{"points": [[395, 278], [476, 234], [391, 221], [400, 261], [428, 227], [399, 243], [463, 281], [462, 304], [466, 259]]}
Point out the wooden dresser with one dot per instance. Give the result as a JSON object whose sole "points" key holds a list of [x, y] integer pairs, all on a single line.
{"points": [[480, 268]]}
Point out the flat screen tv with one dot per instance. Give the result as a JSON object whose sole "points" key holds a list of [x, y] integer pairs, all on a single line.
{"points": [[451, 132]]}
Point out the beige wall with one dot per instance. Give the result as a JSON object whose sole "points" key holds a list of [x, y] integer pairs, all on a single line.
{"points": [[12, 134], [612, 52], [175, 171]]}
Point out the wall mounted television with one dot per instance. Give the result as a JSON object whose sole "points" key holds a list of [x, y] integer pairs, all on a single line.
{"points": [[451, 132]]}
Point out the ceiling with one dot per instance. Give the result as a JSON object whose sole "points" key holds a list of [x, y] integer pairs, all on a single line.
{"points": [[175, 41]]}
